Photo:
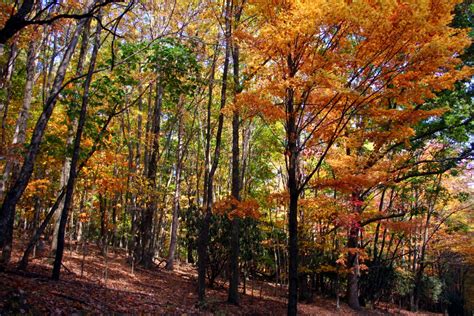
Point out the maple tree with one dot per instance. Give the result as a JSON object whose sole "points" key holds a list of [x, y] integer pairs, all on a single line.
{"points": [[326, 65]]}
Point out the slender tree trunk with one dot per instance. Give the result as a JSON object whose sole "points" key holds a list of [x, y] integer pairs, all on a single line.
{"points": [[7, 211], [146, 227], [7, 86], [353, 276], [19, 136], [203, 240], [353, 256], [103, 218], [134, 167], [70, 138], [293, 189], [233, 295], [204, 229], [424, 242], [15, 23], [24, 260], [177, 191], [75, 158]]}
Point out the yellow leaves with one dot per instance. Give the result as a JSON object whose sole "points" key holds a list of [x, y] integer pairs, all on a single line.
{"points": [[75, 4], [232, 208]]}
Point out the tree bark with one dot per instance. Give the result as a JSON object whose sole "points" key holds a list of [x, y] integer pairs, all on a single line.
{"points": [[7, 211], [19, 136], [70, 139], [146, 228], [203, 239], [233, 295], [353, 257], [75, 158], [16, 22], [177, 191], [292, 165], [7, 86], [353, 276]]}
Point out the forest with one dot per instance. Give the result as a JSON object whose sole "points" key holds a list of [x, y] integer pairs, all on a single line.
{"points": [[262, 157]]}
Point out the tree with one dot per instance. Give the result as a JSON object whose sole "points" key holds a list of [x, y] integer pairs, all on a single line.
{"points": [[7, 211], [327, 63], [211, 165], [21, 18], [233, 296], [75, 156]]}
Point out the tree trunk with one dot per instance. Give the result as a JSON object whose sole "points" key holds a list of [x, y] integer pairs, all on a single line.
{"points": [[70, 139], [21, 124], [24, 260], [7, 211], [7, 86], [75, 158], [177, 191], [353, 276], [16, 22], [292, 163], [353, 257], [424, 242], [233, 295], [146, 228], [203, 240]]}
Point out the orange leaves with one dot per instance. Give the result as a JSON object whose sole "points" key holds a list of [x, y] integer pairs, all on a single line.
{"points": [[111, 184], [251, 104], [38, 187], [83, 217], [348, 182], [406, 227], [338, 55], [232, 208], [6, 10]]}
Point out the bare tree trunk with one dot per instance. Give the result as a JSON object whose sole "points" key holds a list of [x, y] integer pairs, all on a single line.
{"points": [[353, 275], [353, 257], [134, 167], [7, 86], [15, 22], [424, 242], [36, 236]]}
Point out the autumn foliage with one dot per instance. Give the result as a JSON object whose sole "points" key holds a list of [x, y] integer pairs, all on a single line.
{"points": [[321, 147]]}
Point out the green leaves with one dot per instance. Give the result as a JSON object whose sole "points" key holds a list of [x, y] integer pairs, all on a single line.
{"points": [[176, 66]]}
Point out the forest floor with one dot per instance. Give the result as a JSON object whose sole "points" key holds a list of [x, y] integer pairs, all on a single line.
{"points": [[109, 287]]}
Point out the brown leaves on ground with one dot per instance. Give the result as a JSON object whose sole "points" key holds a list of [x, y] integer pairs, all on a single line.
{"points": [[109, 286]]}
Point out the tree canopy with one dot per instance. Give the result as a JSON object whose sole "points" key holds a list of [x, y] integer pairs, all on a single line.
{"points": [[323, 147]]}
